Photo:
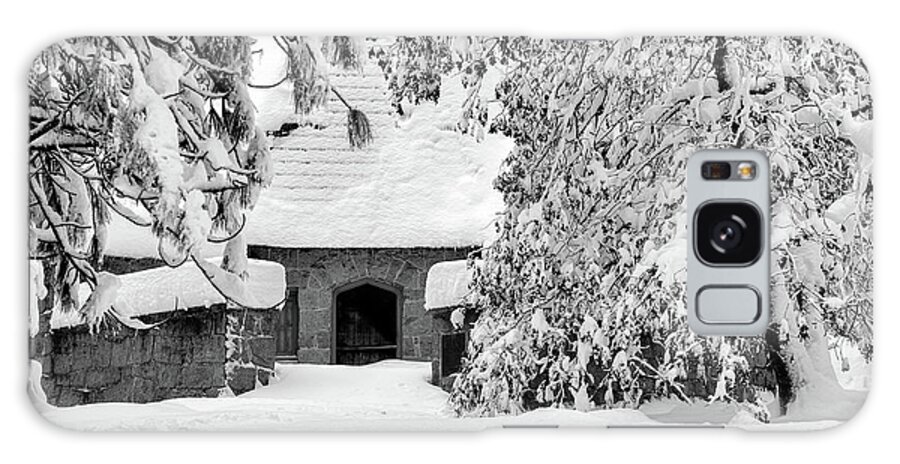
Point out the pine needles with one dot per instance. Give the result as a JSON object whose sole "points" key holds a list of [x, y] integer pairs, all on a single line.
{"points": [[344, 51], [358, 129]]}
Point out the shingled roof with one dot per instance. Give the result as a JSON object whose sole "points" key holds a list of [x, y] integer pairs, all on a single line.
{"points": [[420, 184]]}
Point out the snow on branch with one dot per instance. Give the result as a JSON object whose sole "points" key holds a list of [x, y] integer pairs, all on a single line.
{"points": [[163, 122]]}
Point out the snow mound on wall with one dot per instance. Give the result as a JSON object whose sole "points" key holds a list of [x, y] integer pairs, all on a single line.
{"points": [[447, 284], [166, 289]]}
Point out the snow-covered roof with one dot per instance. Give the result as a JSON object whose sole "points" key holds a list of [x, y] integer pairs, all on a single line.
{"points": [[447, 284], [421, 184], [165, 289]]}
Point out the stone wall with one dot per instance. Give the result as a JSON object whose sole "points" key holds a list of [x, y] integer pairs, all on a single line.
{"points": [[316, 273], [184, 356], [250, 349]]}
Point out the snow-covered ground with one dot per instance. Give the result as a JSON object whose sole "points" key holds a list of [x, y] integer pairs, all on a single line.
{"points": [[386, 396]]}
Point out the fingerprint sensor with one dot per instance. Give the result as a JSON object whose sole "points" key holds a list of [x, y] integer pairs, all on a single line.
{"points": [[725, 304]]}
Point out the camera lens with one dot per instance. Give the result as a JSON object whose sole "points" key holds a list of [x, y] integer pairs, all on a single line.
{"points": [[728, 233]]}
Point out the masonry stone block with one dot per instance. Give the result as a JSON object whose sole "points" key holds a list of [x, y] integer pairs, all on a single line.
{"points": [[306, 339], [119, 352], [168, 376], [242, 380], [209, 349], [101, 352], [141, 349], [60, 364], [262, 351], [323, 339], [117, 392], [69, 397], [417, 325], [203, 375], [308, 299], [264, 376], [409, 347], [318, 320], [167, 350], [314, 355]]}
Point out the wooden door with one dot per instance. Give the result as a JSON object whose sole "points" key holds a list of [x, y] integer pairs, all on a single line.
{"points": [[286, 331], [452, 351], [366, 324]]}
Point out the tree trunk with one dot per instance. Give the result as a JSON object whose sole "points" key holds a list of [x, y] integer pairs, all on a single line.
{"points": [[779, 366], [796, 361], [720, 66]]}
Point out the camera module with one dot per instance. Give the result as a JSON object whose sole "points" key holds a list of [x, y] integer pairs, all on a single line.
{"points": [[728, 233]]}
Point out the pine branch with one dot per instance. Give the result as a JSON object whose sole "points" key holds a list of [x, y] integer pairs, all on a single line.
{"points": [[341, 98], [268, 86], [78, 260], [359, 130], [230, 236], [52, 123], [47, 126], [204, 93], [207, 65]]}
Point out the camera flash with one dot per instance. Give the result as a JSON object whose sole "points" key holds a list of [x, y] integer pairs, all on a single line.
{"points": [[746, 170]]}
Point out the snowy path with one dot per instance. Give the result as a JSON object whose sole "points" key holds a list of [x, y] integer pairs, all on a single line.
{"points": [[386, 396], [389, 389]]}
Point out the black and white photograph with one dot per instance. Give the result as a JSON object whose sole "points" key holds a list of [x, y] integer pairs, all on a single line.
{"points": [[443, 233]]}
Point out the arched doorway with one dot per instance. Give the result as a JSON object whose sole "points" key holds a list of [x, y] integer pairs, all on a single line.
{"points": [[366, 323]]}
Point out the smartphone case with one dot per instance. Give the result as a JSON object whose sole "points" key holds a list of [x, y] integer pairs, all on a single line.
{"points": [[435, 233]]}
